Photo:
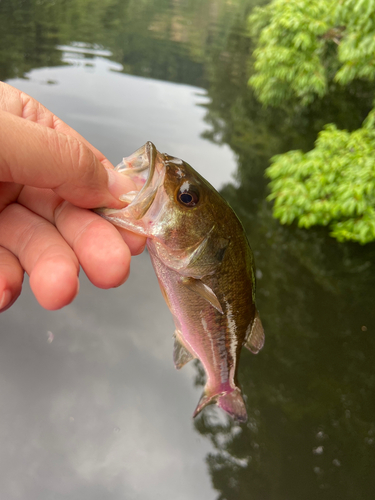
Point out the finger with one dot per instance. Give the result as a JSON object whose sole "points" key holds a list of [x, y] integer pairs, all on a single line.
{"points": [[45, 203], [54, 279], [11, 278], [50, 159], [50, 262], [22, 105], [9, 193], [18, 103], [135, 242], [98, 245]]}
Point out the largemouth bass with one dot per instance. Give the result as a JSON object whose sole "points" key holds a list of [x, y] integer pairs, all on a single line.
{"points": [[204, 266]]}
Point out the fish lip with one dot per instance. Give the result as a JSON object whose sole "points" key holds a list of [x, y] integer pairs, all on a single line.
{"points": [[151, 155], [146, 164], [136, 164]]}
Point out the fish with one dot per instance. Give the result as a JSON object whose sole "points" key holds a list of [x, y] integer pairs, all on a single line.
{"points": [[204, 266]]}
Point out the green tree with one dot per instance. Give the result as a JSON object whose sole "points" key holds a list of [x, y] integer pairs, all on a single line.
{"points": [[304, 48]]}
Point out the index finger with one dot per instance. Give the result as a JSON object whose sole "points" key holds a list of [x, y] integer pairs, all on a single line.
{"points": [[38, 156], [20, 104]]}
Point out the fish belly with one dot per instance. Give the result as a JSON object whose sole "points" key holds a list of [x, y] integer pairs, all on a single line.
{"points": [[208, 336]]}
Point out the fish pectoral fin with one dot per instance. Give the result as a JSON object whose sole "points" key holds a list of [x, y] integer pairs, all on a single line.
{"points": [[222, 245], [181, 355], [204, 291], [255, 340]]}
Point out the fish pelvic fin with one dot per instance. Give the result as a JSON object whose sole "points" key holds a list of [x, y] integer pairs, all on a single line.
{"points": [[181, 355], [255, 340], [231, 402]]}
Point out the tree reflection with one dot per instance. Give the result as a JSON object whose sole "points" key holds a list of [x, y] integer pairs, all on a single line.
{"points": [[310, 392]]}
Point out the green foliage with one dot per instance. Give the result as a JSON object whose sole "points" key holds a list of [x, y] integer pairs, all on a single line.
{"points": [[334, 184], [297, 55], [289, 56], [356, 51], [303, 47]]}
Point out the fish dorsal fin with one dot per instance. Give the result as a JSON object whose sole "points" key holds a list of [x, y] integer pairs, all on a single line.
{"points": [[255, 340], [204, 291], [181, 355]]}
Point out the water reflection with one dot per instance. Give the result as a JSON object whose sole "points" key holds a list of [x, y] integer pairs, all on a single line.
{"points": [[310, 393]]}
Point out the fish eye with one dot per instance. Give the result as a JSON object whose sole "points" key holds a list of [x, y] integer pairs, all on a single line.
{"points": [[188, 195]]}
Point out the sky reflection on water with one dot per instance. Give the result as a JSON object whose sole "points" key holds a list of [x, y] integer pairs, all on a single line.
{"points": [[119, 113], [101, 410]]}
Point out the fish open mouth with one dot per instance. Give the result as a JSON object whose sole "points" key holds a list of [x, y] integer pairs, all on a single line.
{"points": [[146, 169]]}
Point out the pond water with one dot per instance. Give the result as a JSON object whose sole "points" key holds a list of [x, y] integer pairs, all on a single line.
{"points": [[92, 406]]}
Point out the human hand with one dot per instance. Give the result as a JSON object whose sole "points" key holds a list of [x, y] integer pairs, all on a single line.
{"points": [[49, 177]]}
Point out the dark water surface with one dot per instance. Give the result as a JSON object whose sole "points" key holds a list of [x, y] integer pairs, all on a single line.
{"points": [[91, 405]]}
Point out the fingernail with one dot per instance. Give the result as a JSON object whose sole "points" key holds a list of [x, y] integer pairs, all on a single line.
{"points": [[128, 197], [5, 299], [118, 184]]}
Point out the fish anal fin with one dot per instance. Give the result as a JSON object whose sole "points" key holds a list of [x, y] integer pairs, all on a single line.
{"points": [[255, 340], [233, 403], [197, 286], [181, 355]]}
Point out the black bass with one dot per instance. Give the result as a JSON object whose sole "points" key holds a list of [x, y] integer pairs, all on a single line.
{"points": [[204, 266]]}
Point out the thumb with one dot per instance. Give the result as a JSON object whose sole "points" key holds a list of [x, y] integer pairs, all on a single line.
{"points": [[38, 156]]}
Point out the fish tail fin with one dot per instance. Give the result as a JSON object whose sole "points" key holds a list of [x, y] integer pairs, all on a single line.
{"points": [[205, 400], [231, 402]]}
